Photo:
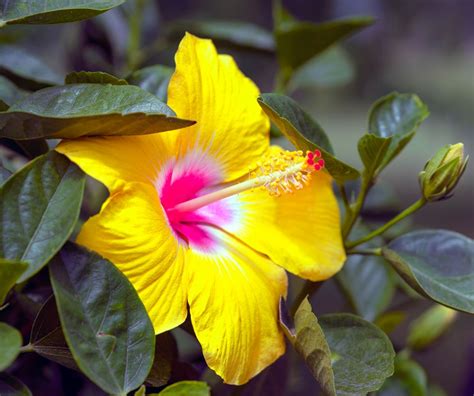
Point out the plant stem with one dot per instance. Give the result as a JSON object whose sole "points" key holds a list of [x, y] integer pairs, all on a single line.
{"points": [[308, 289], [355, 209], [27, 348], [408, 211], [366, 252], [135, 22]]}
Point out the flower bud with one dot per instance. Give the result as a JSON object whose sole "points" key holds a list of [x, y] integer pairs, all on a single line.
{"points": [[442, 172]]}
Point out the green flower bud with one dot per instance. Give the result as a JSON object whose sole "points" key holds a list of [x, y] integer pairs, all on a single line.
{"points": [[442, 172]]}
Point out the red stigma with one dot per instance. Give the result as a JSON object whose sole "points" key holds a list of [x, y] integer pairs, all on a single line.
{"points": [[317, 167], [317, 153], [321, 163], [310, 155], [310, 161]]}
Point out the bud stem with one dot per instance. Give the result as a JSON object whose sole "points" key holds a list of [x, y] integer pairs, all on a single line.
{"points": [[408, 211]]}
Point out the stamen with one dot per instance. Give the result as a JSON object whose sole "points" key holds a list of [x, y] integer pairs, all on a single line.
{"points": [[285, 172]]}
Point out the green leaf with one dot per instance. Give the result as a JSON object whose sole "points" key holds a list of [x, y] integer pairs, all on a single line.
{"points": [[368, 284], [9, 93], [303, 132], [73, 111], [85, 77], [26, 70], [59, 11], [10, 271], [397, 116], [297, 42], [10, 386], [33, 148], [108, 331], [228, 33], [332, 68], [409, 379], [10, 343], [166, 352], [39, 206], [439, 264], [362, 354], [47, 338], [186, 388], [372, 151], [154, 79], [389, 321], [311, 343], [431, 325]]}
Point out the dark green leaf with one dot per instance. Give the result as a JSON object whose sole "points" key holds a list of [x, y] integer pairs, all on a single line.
{"points": [[186, 388], [39, 207], [297, 42], [9, 92], [368, 284], [10, 343], [10, 271], [46, 11], [25, 69], [47, 338], [85, 77], [439, 264], [73, 111], [311, 344], [10, 386], [33, 148], [108, 331], [166, 352], [372, 151], [431, 325], [228, 33], [362, 354], [397, 116], [154, 79], [303, 132], [332, 68]]}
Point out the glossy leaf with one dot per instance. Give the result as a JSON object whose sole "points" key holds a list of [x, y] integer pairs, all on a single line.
{"points": [[73, 111], [27, 70], [372, 151], [298, 41], [46, 11], [186, 388], [154, 79], [10, 386], [39, 207], [166, 352], [228, 33], [10, 271], [86, 77], [47, 338], [303, 132], [439, 264], [332, 68], [9, 93], [105, 323], [10, 343], [397, 116], [362, 354], [367, 282], [431, 325], [311, 343]]}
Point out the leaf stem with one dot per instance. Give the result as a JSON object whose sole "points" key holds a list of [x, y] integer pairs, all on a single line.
{"points": [[408, 211], [27, 348], [355, 209], [366, 252], [135, 23]]}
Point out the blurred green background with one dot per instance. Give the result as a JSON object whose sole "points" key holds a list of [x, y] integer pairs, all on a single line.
{"points": [[423, 46]]}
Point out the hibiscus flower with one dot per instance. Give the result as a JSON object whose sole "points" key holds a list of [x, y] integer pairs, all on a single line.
{"points": [[210, 216]]}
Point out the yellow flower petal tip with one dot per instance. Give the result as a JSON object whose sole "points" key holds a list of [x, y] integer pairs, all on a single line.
{"points": [[210, 216]]}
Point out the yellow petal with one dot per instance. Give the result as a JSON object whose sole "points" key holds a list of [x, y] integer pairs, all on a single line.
{"points": [[210, 89], [119, 159], [233, 297], [132, 232], [299, 231]]}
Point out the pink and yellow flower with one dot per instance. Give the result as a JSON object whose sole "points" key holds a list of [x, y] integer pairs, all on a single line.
{"points": [[189, 225]]}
